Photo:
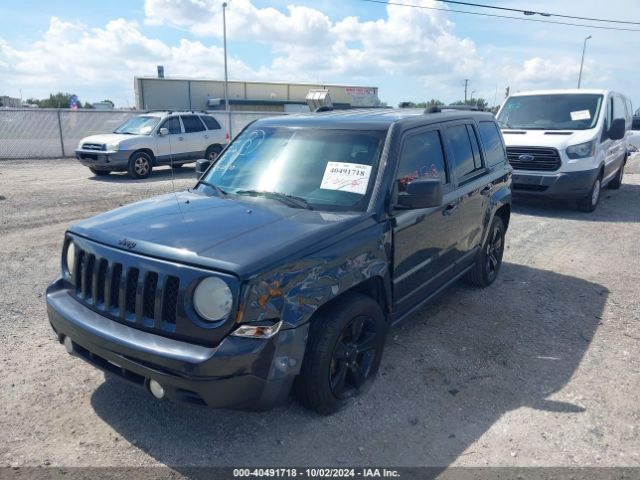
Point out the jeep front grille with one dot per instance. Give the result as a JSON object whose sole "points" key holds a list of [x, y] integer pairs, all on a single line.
{"points": [[534, 158], [127, 293]]}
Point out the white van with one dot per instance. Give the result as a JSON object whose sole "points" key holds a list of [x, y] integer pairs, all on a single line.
{"points": [[566, 143]]}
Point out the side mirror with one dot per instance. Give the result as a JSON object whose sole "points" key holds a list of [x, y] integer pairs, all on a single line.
{"points": [[201, 166], [421, 193], [163, 131], [617, 130]]}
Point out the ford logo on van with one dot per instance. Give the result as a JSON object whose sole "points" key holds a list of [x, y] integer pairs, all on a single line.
{"points": [[526, 158]]}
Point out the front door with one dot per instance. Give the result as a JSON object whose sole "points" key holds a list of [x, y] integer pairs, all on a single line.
{"points": [[171, 147], [425, 240]]}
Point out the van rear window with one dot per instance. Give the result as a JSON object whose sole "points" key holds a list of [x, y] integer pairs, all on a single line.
{"points": [[576, 111]]}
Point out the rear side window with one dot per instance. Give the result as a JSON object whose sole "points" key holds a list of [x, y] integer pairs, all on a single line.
{"points": [[463, 161], [421, 157], [192, 124], [173, 125], [493, 147], [210, 122]]}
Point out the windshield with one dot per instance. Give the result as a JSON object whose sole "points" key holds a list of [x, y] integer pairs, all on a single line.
{"points": [[138, 126], [323, 169], [551, 112]]}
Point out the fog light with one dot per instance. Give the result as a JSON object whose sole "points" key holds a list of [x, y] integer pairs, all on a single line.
{"points": [[68, 344], [156, 389]]}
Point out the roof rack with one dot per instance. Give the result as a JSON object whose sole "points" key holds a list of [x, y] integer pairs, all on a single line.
{"points": [[169, 112], [326, 108], [438, 109]]}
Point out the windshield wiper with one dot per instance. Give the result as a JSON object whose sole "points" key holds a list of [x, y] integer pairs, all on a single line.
{"points": [[291, 200], [215, 187]]}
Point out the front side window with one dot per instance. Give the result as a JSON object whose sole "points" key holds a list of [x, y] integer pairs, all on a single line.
{"points": [[143, 125], [192, 124], [492, 141], [551, 112], [329, 169], [173, 125], [421, 157]]}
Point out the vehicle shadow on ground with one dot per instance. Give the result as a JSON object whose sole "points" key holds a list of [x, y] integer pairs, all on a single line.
{"points": [[159, 174], [448, 375], [615, 206]]}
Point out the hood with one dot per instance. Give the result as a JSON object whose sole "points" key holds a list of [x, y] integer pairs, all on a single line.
{"points": [[109, 138], [559, 139], [228, 234]]}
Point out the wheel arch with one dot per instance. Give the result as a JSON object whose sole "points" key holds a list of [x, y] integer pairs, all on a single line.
{"points": [[146, 150]]}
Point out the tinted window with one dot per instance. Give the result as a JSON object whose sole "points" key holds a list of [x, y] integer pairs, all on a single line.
{"points": [[477, 158], [210, 122], [493, 147], [173, 125], [636, 123], [462, 162], [192, 124], [421, 157]]}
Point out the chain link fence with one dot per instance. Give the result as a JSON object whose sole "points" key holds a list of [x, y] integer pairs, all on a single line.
{"points": [[55, 133]]}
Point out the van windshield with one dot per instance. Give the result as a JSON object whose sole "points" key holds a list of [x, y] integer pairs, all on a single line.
{"points": [[551, 112], [322, 168]]}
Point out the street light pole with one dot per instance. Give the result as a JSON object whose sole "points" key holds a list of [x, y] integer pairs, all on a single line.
{"points": [[226, 76], [584, 47]]}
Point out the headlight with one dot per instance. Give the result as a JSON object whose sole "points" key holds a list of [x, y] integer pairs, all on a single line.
{"points": [[212, 299], [70, 258], [582, 150], [113, 146]]}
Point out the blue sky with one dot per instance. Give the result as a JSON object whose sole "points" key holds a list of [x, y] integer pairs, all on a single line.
{"points": [[95, 48]]}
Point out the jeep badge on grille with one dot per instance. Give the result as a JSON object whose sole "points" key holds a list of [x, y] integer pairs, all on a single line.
{"points": [[127, 243]]}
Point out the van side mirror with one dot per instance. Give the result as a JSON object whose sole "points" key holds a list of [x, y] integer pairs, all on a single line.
{"points": [[421, 193], [617, 130], [163, 131]]}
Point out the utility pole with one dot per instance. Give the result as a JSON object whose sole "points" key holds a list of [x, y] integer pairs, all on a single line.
{"points": [[226, 77], [584, 47], [466, 82]]}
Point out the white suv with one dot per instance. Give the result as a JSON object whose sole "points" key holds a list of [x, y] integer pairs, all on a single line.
{"points": [[152, 139]]}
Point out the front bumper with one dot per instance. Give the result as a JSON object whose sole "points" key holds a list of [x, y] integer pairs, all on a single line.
{"points": [[239, 373], [104, 160], [561, 185]]}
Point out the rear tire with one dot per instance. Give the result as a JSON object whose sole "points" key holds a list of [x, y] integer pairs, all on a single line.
{"points": [[100, 173], [590, 201], [343, 354], [140, 165], [616, 182], [487, 265], [213, 152]]}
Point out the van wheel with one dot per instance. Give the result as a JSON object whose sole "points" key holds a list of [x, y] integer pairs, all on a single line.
{"points": [[616, 182], [100, 173], [590, 201], [487, 265], [140, 165], [343, 354]]}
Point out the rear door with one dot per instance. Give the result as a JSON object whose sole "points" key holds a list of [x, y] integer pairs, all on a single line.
{"points": [[215, 133], [425, 243], [194, 136], [470, 172], [170, 147]]}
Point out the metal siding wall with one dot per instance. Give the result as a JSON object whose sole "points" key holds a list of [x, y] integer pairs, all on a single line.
{"points": [[165, 94]]}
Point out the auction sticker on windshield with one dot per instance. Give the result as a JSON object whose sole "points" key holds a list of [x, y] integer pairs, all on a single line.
{"points": [[580, 115], [346, 177]]}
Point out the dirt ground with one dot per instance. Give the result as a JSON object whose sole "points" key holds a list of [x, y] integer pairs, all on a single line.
{"points": [[540, 369]]}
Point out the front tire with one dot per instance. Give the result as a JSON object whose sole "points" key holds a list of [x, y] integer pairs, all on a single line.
{"points": [[213, 152], [487, 265], [100, 173], [616, 182], [140, 165], [590, 201], [343, 354]]}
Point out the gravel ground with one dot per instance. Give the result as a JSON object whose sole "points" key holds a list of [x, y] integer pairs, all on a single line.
{"points": [[540, 369]]}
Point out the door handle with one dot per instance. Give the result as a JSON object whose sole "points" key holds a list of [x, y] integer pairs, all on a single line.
{"points": [[181, 138], [486, 190], [206, 136], [450, 209]]}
